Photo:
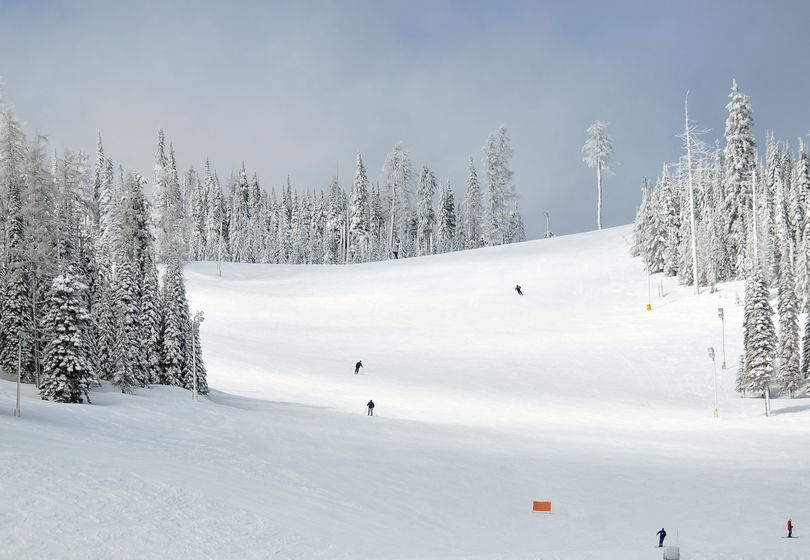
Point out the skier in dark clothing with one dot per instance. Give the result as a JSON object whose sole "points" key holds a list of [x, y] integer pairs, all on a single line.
{"points": [[661, 536], [790, 529], [519, 290], [370, 406], [357, 366]]}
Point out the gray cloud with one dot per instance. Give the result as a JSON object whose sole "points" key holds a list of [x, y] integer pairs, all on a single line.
{"points": [[297, 88]]}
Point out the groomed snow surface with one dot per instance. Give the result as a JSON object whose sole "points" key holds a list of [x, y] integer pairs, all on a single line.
{"points": [[486, 401]]}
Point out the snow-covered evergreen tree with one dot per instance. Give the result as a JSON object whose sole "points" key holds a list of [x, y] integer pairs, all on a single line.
{"points": [[759, 335], [214, 216], [67, 373], [789, 366], [398, 177], [150, 321], [670, 223], [497, 154], [426, 216], [334, 224], [739, 158], [359, 215], [473, 216], [128, 316], [446, 230], [175, 368]]}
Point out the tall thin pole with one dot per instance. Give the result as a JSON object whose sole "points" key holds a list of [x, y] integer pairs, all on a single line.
{"points": [[688, 135], [715, 413], [16, 411], [649, 291]]}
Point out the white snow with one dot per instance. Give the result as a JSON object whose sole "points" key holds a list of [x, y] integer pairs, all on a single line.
{"points": [[486, 401]]}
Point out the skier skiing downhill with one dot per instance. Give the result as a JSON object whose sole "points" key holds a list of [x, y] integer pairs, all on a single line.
{"points": [[662, 534], [518, 289], [370, 406], [790, 528], [357, 366]]}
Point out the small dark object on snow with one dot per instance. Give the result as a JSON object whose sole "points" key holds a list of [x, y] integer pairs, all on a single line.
{"points": [[519, 290], [357, 366], [790, 528], [661, 536], [370, 406]]}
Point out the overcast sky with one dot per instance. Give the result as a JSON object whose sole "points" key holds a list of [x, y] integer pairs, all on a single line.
{"points": [[299, 87]]}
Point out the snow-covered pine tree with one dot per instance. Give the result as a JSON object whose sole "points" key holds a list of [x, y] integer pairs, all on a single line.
{"points": [[161, 198], [150, 320], [398, 179], [195, 359], [126, 290], [789, 367], [67, 373], [359, 215], [426, 216], [334, 224], [377, 225], [239, 225], [317, 220], [123, 374], [105, 319], [197, 210], [473, 216], [657, 236], [16, 327], [497, 154], [214, 216], [670, 223], [640, 224], [98, 183], [739, 158], [803, 271], [175, 369], [517, 231], [446, 230], [759, 335]]}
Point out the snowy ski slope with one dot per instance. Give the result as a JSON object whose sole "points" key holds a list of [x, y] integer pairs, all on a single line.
{"points": [[485, 401]]}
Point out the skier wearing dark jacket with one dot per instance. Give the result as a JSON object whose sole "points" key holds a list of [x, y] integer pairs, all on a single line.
{"points": [[661, 536], [370, 406], [519, 290], [357, 366]]}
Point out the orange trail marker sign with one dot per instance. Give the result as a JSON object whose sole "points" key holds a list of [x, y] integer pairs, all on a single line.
{"points": [[541, 506]]}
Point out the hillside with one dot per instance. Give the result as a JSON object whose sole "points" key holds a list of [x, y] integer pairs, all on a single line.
{"points": [[486, 400]]}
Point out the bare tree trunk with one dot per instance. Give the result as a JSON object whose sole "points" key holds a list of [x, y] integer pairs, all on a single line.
{"points": [[599, 194]]}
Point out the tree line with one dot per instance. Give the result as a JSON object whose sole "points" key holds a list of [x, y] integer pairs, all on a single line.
{"points": [[722, 213], [197, 219], [80, 298]]}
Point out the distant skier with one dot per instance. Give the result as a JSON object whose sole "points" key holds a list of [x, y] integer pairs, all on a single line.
{"points": [[790, 528], [661, 536], [357, 366], [518, 289], [370, 406]]}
